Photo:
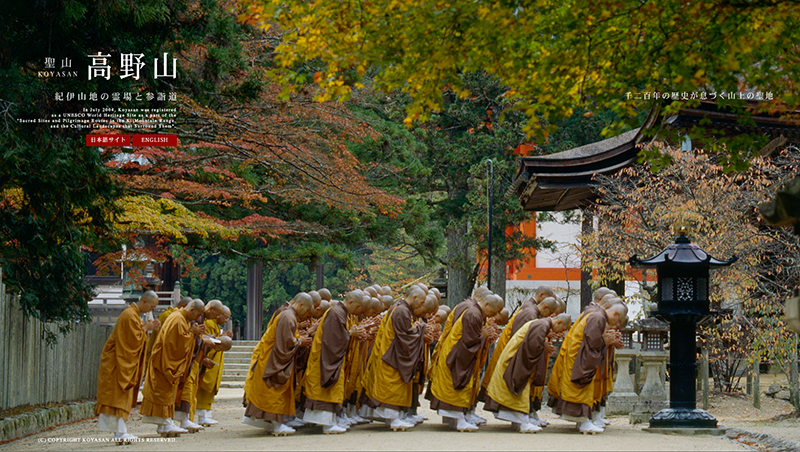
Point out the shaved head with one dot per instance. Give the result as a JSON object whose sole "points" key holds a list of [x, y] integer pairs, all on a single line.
{"points": [[325, 294], [194, 309], [616, 313], [502, 317], [320, 310], [303, 304], [213, 309], [610, 300], [386, 290], [600, 293], [147, 301], [561, 323], [183, 302], [353, 300], [543, 292], [226, 314], [440, 317], [490, 304], [315, 297], [547, 307], [371, 291], [445, 308], [225, 344]]}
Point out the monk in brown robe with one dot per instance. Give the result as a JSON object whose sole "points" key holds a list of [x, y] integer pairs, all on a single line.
{"points": [[603, 381], [542, 304], [269, 387], [395, 358], [169, 365], [583, 349], [186, 398], [483, 356], [324, 382], [121, 367], [452, 376], [523, 362], [211, 376]]}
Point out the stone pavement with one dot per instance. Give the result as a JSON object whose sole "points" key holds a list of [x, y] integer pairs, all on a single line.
{"points": [[230, 434]]}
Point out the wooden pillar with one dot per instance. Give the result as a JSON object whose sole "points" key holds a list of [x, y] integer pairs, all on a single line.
{"points": [[704, 363], [255, 306], [757, 383], [587, 227]]}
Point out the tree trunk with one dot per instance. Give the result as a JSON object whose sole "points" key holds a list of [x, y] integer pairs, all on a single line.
{"points": [[587, 227], [499, 275], [459, 264]]}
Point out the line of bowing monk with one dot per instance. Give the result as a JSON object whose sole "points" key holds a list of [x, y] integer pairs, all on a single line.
{"points": [[181, 363], [368, 358]]}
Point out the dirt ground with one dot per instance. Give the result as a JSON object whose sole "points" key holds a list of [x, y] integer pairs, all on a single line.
{"points": [[231, 434]]}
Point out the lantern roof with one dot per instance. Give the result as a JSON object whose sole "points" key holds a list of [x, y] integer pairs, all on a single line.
{"points": [[682, 252]]}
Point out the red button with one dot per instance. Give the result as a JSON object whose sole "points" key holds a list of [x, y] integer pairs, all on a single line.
{"points": [[97, 139], [155, 140]]}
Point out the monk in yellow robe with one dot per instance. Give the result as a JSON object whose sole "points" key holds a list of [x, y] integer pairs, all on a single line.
{"points": [[603, 381], [452, 376], [186, 397], [168, 366], [211, 375], [181, 303], [324, 378], [527, 311], [523, 362], [121, 367], [582, 351], [426, 314], [269, 387], [394, 358], [365, 406]]}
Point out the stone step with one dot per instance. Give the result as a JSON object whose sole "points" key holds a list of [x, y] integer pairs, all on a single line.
{"points": [[233, 373], [234, 367], [235, 379], [245, 343], [238, 354], [241, 349], [232, 384], [237, 360]]}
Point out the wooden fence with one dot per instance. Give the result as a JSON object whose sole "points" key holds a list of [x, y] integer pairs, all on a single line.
{"points": [[33, 373]]}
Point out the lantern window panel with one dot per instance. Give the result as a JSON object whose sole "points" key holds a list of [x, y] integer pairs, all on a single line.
{"points": [[684, 289], [666, 289]]}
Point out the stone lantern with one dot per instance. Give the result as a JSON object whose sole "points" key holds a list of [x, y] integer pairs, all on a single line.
{"points": [[683, 275], [623, 398], [440, 282]]}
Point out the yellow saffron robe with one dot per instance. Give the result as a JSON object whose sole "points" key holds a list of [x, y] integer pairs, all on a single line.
{"points": [[582, 352], [121, 365], [172, 352], [453, 381], [209, 385], [269, 384]]}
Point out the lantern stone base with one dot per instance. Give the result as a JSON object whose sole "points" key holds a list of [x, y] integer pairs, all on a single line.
{"points": [[683, 418], [719, 431]]}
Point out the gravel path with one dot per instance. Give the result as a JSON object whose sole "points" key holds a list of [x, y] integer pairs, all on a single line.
{"points": [[230, 434]]}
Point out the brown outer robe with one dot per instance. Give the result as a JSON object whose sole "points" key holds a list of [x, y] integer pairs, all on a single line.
{"points": [[592, 351], [526, 365], [121, 365], [405, 351], [335, 341], [280, 363], [463, 356]]}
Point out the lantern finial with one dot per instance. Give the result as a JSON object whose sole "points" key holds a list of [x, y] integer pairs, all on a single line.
{"points": [[683, 230]]}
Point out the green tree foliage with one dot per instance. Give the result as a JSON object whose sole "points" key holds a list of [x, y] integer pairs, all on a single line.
{"points": [[556, 57], [56, 193]]}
